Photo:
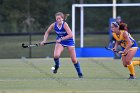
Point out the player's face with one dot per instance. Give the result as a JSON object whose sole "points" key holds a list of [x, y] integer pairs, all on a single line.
{"points": [[114, 29], [59, 19]]}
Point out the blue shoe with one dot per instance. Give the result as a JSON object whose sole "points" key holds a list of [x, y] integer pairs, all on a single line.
{"points": [[132, 77]]}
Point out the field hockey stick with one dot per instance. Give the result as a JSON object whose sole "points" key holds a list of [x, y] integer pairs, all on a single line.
{"points": [[107, 48], [33, 45]]}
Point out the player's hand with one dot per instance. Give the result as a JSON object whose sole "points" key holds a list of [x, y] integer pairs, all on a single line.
{"points": [[42, 43], [113, 49], [59, 40], [125, 52], [121, 52]]}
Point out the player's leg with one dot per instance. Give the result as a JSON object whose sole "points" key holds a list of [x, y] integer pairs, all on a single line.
{"points": [[136, 62], [57, 52], [128, 62], [130, 67], [72, 52]]}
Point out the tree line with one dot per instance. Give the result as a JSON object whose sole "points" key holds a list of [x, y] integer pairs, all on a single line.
{"points": [[22, 16]]}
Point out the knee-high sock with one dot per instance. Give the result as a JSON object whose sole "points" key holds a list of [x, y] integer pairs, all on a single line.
{"points": [[57, 63], [131, 69], [136, 62], [77, 67]]}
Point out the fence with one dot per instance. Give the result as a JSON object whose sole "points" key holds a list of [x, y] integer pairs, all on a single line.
{"points": [[11, 44]]}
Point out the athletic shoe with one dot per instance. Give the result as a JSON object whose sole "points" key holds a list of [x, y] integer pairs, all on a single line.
{"points": [[80, 75], [132, 77], [55, 70]]}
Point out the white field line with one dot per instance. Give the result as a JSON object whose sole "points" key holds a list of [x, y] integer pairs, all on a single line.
{"points": [[64, 79]]}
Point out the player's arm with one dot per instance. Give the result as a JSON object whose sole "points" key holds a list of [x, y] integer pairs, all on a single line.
{"points": [[68, 30], [47, 33], [115, 47], [129, 43]]}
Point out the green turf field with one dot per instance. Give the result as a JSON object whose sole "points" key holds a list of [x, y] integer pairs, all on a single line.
{"points": [[101, 75]]}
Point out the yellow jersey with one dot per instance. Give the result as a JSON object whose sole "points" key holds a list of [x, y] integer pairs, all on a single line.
{"points": [[121, 40]]}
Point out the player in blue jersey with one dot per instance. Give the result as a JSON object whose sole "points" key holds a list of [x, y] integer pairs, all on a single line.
{"points": [[64, 39]]}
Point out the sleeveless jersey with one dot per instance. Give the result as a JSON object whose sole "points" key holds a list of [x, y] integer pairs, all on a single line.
{"points": [[61, 32], [122, 40]]}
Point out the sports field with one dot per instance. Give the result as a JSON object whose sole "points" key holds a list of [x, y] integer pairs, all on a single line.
{"points": [[101, 75]]}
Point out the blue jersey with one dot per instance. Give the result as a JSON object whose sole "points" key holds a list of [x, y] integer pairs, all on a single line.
{"points": [[61, 32]]}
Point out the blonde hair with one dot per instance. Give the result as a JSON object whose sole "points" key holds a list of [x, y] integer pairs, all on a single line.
{"points": [[64, 16]]}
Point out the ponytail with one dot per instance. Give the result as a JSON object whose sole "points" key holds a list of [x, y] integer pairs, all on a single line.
{"points": [[64, 16]]}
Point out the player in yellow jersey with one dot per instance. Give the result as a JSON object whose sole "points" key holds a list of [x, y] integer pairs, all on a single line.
{"points": [[129, 46]]}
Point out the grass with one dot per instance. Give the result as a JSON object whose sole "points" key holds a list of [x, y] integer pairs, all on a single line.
{"points": [[101, 75]]}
